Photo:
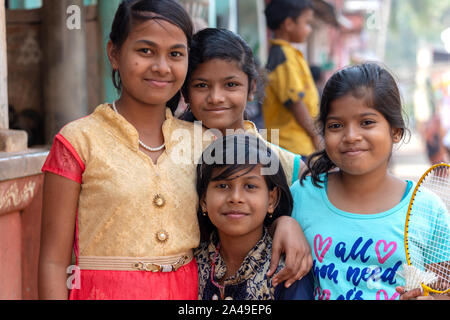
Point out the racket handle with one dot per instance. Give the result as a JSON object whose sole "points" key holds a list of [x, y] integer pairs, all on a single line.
{"points": [[425, 290]]}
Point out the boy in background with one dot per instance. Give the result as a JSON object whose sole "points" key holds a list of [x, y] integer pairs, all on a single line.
{"points": [[291, 100]]}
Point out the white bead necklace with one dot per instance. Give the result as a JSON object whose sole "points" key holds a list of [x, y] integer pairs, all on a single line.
{"points": [[143, 145]]}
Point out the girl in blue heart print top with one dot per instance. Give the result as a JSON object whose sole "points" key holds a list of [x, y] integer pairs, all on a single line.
{"points": [[352, 210]]}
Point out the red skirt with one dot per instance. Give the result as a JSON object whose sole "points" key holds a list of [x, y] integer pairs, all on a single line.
{"points": [[137, 285], [132, 285]]}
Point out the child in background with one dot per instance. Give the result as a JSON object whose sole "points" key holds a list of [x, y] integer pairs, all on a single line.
{"points": [[241, 191], [354, 217], [222, 78], [114, 189], [291, 101]]}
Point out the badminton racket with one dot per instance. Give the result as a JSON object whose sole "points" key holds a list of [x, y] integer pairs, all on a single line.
{"points": [[427, 233]]}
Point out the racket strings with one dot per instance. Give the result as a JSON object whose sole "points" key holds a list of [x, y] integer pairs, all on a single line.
{"points": [[428, 233]]}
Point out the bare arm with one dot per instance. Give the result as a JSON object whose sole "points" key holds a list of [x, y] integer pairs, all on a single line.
{"points": [[305, 120], [288, 237], [58, 226]]}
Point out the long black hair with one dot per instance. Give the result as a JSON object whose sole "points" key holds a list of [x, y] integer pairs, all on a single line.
{"points": [[368, 81], [132, 12], [217, 43], [239, 154]]}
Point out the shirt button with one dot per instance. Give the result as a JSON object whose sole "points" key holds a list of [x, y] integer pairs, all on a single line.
{"points": [[159, 201], [162, 236]]}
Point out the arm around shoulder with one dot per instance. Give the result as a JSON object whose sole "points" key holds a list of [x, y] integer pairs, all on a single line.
{"points": [[288, 238]]}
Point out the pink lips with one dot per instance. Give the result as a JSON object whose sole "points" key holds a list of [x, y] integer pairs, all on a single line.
{"points": [[157, 83], [235, 214], [218, 109], [353, 153]]}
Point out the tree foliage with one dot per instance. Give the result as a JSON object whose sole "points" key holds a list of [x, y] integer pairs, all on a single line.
{"points": [[414, 23]]}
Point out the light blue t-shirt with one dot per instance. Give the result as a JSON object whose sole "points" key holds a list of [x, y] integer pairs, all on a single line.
{"points": [[355, 256]]}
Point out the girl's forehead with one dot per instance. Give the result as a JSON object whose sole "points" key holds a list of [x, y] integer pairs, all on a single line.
{"points": [[220, 63], [218, 68], [239, 171], [157, 28], [350, 105]]}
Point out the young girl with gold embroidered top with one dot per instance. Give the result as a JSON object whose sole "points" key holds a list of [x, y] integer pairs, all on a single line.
{"points": [[222, 78], [125, 207], [242, 188]]}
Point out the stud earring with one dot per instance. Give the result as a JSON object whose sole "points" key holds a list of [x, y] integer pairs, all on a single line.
{"points": [[205, 213]]}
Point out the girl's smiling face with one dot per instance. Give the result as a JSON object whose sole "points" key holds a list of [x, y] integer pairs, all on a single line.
{"points": [[152, 61], [218, 94], [358, 139], [238, 205]]}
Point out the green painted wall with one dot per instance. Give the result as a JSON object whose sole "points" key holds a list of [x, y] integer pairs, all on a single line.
{"points": [[106, 11], [33, 4]]}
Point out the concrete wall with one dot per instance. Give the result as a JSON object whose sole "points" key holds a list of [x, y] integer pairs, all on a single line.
{"points": [[20, 225], [26, 70]]}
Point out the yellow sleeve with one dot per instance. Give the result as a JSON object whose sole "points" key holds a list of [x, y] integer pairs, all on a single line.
{"points": [[287, 82], [290, 162]]}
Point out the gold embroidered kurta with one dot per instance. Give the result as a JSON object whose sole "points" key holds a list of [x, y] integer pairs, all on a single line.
{"points": [[129, 206]]}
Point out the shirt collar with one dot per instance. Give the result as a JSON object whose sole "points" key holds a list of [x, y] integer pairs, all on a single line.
{"points": [[126, 132], [284, 43], [253, 262]]}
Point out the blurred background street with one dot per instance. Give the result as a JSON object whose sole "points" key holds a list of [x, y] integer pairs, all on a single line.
{"points": [[409, 159]]}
